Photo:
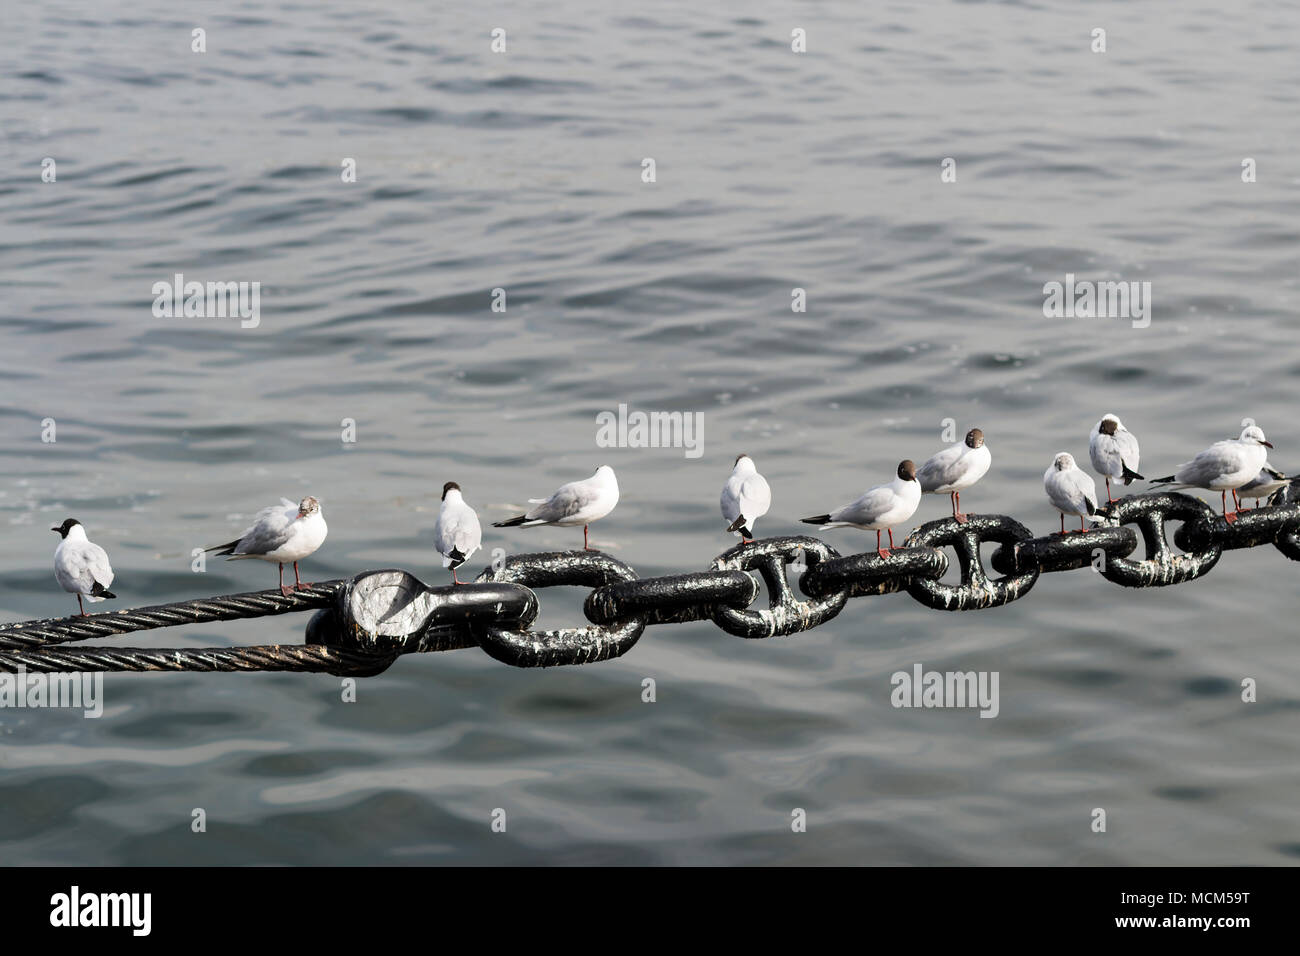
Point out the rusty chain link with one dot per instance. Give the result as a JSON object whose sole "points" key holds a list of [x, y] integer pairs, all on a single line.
{"points": [[368, 622]]}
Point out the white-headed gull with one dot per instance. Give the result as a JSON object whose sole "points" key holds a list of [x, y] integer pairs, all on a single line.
{"points": [[1224, 466], [1267, 483], [1114, 452], [955, 469], [284, 533], [578, 502], [1070, 490], [881, 508], [80, 565], [745, 498], [457, 534]]}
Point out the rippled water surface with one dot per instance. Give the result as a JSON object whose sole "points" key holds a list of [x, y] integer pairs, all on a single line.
{"points": [[522, 171]]}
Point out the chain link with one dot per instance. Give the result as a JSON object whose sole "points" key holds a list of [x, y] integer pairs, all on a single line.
{"points": [[377, 616]]}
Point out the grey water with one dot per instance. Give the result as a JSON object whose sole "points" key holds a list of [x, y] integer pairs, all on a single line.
{"points": [[522, 171]]}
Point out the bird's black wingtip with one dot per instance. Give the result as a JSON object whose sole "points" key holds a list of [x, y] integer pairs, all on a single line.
{"points": [[510, 522], [1130, 474], [101, 592], [737, 525], [1168, 479], [818, 519]]}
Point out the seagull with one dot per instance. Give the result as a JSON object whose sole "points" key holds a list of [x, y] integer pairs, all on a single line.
{"points": [[745, 498], [1224, 466], [80, 565], [880, 508], [578, 502], [1114, 452], [1070, 490], [1267, 483], [281, 533], [457, 534], [955, 469]]}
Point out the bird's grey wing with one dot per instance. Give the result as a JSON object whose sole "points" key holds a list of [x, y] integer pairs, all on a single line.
{"points": [[1127, 444], [730, 501], [86, 565], [466, 533], [567, 501], [1083, 486], [97, 564], [867, 508], [941, 469], [1106, 456], [1208, 465], [755, 496], [270, 530]]}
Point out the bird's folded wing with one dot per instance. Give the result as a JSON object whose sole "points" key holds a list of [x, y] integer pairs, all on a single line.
{"points": [[755, 496], [943, 469], [1207, 466], [867, 508], [89, 564], [566, 502], [1128, 448], [270, 530], [467, 536]]}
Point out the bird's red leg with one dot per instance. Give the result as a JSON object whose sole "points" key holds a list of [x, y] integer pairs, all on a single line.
{"points": [[585, 546], [454, 579], [300, 585], [1229, 517], [881, 551], [1083, 525], [956, 508], [81, 607], [1109, 499], [283, 590], [1062, 522]]}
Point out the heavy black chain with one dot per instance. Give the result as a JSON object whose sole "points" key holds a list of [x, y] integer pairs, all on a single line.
{"points": [[366, 623]]}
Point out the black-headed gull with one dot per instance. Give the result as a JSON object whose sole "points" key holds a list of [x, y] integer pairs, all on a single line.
{"points": [[955, 469], [745, 498], [1070, 490], [578, 502], [881, 508], [1224, 466], [1267, 483], [80, 565], [1114, 452], [457, 534], [284, 533]]}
